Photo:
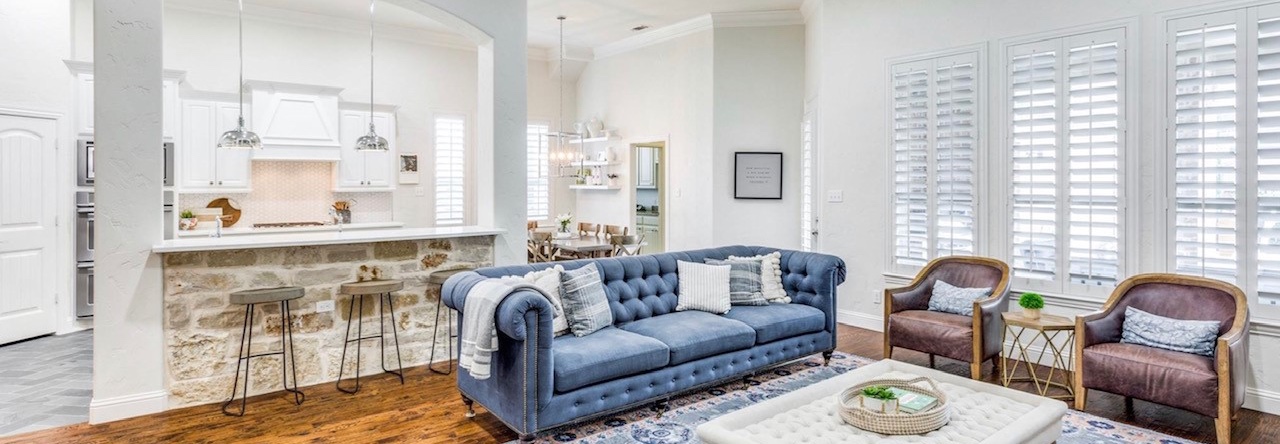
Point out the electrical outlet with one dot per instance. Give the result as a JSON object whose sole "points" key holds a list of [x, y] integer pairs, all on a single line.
{"points": [[419, 191], [324, 306], [876, 296], [835, 196]]}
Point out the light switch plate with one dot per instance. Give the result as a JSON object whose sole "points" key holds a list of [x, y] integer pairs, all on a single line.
{"points": [[419, 191], [324, 306], [835, 196]]}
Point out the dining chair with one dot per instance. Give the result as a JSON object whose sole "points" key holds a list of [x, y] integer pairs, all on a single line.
{"points": [[626, 245], [540, 248], [532, 225], [588, 229], [614, 230]]}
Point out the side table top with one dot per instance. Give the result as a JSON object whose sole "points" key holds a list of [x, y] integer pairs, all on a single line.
{"points": [[1047, 322]]}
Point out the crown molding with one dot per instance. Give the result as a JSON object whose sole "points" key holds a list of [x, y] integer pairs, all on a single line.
{"points": [[697, 24], [810, 9]]}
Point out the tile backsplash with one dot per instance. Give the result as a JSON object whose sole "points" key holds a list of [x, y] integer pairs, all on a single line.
{"points": [[289, 191]]}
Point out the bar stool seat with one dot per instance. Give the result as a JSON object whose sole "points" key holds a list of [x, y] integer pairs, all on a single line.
{"points": [[250, 298], [438, 278], [382, 288]]}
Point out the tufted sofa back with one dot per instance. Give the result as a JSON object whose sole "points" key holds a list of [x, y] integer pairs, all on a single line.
{"points": [[640, 287]]}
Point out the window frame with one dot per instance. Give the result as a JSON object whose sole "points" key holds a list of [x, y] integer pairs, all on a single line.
{"points": [[981, 101], [468, 174], [551, 194]]}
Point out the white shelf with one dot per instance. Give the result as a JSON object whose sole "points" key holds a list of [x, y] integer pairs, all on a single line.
{"points": [[592, 140], [593, 187], [590, 164]]}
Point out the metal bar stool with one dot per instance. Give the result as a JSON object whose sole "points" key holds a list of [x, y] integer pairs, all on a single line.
{"points": [[250, 298], [358, 291], [437, 279]]}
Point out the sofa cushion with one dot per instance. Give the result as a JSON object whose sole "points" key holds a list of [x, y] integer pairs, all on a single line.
{"points": [[609, 353], [1178, 379], [945, 334], [779, 321], [693, 335]]}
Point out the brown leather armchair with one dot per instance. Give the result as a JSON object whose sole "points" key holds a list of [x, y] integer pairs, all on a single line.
{"points": [[1211, 386], [973, 339]]}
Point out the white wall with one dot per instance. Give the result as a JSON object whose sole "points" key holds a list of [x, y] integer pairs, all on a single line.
{"points": [[654, 93], [856, 39]]}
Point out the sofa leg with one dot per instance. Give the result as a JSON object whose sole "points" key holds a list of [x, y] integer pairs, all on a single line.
{"points": [[931, 361], [826, 358], [527, 437], [471, 410], [661, 407], [746, 382], [1128, 405], [1223, 425]]}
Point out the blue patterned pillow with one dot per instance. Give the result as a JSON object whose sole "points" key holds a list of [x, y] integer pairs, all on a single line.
{"points": [[949, 298], [1142, 328], [585, 304]]}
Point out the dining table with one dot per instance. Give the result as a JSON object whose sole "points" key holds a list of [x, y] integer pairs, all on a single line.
{"points": [[583, 246]]}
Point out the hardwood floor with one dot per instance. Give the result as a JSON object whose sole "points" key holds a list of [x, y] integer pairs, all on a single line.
{"points": [[428, 409]]}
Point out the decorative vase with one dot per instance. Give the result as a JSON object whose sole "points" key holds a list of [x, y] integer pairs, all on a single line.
{"points": [[1031, 313], [580, 128], [596, 127], [187, 223], [879, 405]]}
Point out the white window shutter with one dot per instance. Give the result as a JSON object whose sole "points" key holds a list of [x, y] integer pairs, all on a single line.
{"points": [[911, 165], [1095, 140], [806, 183], [1268, 155], [538, 172], [1034, 113], [450, 147], [954, 143]]}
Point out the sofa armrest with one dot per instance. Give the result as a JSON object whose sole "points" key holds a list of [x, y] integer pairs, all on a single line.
{"points": [[1102, 326], [812, 279], [990, 314], [1235, 343]]}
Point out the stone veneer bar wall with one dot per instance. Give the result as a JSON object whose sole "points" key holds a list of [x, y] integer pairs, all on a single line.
{"points": [[203, 330]]}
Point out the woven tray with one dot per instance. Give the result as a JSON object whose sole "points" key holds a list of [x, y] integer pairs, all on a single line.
{"points": [[895, 423]]}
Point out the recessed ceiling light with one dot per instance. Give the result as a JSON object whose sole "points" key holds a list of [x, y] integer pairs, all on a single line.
{"points": [[640, 28]]}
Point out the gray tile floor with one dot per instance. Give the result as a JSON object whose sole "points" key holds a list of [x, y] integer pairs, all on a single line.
{"points": [[45, 382]]}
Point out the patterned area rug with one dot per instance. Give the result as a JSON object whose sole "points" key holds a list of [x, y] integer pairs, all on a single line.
{"points": [[678, 425]]}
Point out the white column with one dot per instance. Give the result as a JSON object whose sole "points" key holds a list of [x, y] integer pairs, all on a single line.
{"points": [[128, 344]]}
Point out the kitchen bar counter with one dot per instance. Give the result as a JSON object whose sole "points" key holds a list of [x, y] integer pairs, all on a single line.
{"points": [[299, 239], [248, 230]]}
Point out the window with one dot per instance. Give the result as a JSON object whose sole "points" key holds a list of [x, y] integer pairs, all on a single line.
{"points": [[539, 181], [451, 143], [1224, 136], [934, 139], [807, 222], [1066, 116]]}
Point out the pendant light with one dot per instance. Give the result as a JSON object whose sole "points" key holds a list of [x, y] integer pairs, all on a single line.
{"points": [[371, 141], [563, 157], [240, 138]]}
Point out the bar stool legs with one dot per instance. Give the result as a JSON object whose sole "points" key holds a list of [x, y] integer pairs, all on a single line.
{"points": [[356, 315], [288, 362], [448, 328]]}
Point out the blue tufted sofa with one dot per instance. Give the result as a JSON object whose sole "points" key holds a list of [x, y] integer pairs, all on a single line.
{"points": [[652, 352]]}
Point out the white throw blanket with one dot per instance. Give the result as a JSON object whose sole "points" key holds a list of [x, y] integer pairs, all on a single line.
{"points": [[479, 325]]}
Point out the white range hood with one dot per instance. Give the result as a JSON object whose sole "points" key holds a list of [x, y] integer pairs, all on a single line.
{"points": [[295, 121]]}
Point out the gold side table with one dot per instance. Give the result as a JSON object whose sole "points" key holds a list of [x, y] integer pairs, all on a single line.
{"points": [[1046, 329]]}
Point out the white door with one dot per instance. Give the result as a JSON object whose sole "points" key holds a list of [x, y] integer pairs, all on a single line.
{"points": [[27, 234], [232, 165]]}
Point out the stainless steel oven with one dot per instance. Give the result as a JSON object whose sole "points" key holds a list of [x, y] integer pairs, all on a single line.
{"points": [[84, 227], [85, 163], [84, 290]]}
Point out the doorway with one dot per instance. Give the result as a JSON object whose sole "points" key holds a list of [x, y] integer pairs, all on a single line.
{"points": [[28, 241], [649, 187]]}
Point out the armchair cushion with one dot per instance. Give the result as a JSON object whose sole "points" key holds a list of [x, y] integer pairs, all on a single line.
{"points": [[948, 298], [1142, 328], [692, 335], [1173, 378], [945, 334], [579, 361], [779, 321]]}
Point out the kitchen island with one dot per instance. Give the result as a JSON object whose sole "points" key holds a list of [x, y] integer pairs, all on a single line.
{"points": [[202, 329]]}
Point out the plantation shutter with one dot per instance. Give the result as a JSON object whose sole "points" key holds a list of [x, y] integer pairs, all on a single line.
{"points": [[1268, 156], [1034, 111], [538, 174], [911, 164], [806, 183], [1206, 141], [955, 138], [1094, 141], [450, 147]]}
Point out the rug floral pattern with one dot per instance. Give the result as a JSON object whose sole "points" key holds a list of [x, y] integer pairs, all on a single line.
{"points": [[679, 423]]}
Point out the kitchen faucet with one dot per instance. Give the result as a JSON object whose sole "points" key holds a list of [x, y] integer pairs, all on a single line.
{"points": [[217, 227]]}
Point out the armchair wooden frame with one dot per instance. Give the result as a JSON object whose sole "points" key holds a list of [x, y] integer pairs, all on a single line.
{"points": [[1222, 351], [998, 293]]}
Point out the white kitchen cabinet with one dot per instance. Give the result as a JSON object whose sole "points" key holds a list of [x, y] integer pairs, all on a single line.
{"points": [[365, 170], [84, 103], [646, 167], [296, 122], [82, 73], [203, 165]]}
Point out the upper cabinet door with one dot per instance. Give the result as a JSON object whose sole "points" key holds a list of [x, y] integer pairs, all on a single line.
{"points": [[233, 166], [296, 122], [196, 152], [370, 170], [645, 171], [351, 167], [84, 104], [378, 164], [172, 113]]}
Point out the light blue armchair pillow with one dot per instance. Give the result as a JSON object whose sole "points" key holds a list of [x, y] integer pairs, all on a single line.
{"points": [[1142, 328], [949, 298]]}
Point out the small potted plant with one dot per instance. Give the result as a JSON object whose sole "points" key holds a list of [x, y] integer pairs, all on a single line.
{"points": [[564, 219], [879, 398], [187, 220], [1031, 304]]}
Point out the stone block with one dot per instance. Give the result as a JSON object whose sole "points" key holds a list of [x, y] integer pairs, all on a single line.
{"points": [[301, 256], [187, 259], [411, 267], [433, 260], [266, 279], [370, 308], [324, 276], [185, 282], [347, 254], [200, 391], [177, 316], [198, 355], [300, 323], [232, 317], [232, 258], [439, 244], [395, 250]]}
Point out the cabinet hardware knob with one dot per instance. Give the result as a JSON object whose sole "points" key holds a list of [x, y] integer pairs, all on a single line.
{"points": [[219, 182], [210, 182]]}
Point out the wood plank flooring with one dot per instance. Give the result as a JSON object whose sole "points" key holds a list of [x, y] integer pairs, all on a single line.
{"points": [[428, 409]]}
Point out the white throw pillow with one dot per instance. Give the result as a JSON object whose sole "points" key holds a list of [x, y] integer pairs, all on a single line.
{"points": [[770, 276], [548, 280], [703, 287]]}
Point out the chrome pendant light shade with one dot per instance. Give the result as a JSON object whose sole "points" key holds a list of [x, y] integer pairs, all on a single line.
{"points": [[371, 141], [240, 138]]}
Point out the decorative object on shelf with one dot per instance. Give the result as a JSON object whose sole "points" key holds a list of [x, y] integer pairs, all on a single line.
{"points": [[187, 220], [1031, 304], [371, 141], [757, 175], [230, 210], [240, 138], [409, 168], [595, 127], [580, 127], [609, 134], [613, 180], [879, 398], [935, 413], [342, 211], [564, 219]]}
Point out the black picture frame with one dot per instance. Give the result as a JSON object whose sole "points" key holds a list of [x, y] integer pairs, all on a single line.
{"points": [[757, 175]]}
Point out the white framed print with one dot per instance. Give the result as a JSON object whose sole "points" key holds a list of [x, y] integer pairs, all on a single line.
{"points": [[757, 175], [409, 169]]}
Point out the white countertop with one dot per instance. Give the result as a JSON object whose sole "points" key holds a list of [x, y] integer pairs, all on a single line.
{"points": [[248, 230], [319, 238]]}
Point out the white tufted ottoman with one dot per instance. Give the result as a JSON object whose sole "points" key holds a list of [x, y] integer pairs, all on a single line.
{"points": [[980, 413]]}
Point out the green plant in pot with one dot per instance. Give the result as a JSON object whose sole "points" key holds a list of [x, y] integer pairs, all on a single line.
{"points": [[879, 398], [187, 220], [1031, 304]]}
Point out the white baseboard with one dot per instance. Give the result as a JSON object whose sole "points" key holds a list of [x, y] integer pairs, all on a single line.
{"points": [[860, 320], [1265, 401], [122, 407]]}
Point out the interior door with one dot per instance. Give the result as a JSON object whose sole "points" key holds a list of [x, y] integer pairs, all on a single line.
{"points": [[27, 234]]}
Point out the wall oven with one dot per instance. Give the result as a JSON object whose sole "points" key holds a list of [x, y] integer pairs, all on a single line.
{"points": [[85, 163], [84, 253]]}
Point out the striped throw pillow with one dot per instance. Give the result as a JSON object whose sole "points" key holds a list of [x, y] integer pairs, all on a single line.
{"points": [[703, 287], [770, 276], [585, 304], [744, 282]]}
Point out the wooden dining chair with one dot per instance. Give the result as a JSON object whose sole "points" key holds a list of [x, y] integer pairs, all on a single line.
{"points": [[532, 225], [540, 248], [626, 245], [588, 229], [614, 230]]}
